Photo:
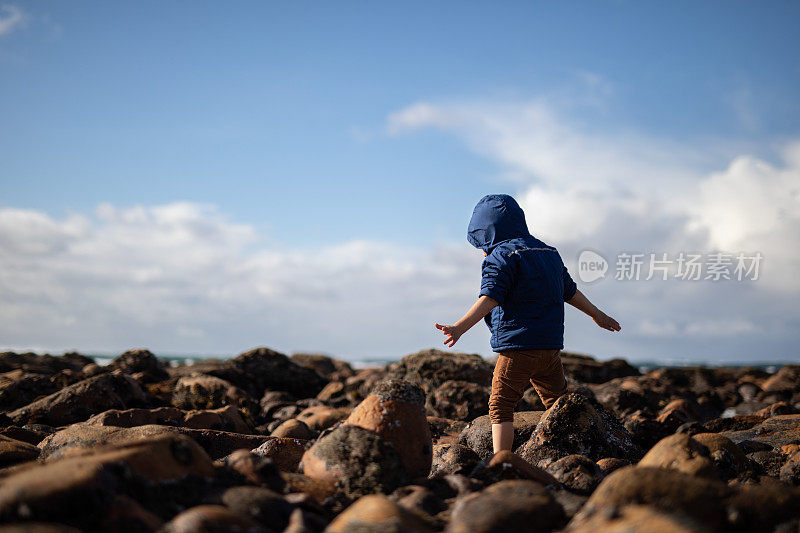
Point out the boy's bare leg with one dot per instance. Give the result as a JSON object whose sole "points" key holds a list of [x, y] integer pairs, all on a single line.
{"points": [[502, 436]]}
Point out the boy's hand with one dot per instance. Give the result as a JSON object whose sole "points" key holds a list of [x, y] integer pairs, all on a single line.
{"points": [[452, 334], [606, 322]]}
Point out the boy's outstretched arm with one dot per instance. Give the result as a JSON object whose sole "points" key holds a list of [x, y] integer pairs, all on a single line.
{"points": [[582, 303], [479, 310]]}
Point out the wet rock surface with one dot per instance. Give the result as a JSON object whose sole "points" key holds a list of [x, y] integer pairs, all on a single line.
{"points": [[303, 444]]}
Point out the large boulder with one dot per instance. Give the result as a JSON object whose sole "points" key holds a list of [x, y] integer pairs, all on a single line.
{"points": [[579, 425], [19, 388], [285, 453], [13, 451], [710, 503], [512, 505], [262, 505], [576, 472], [635, 518], [82, 436], [79, 490], [78, 402], [377, 513], [262, 369], [680, 452], [395, 410], [223, 419], [211, 519], [325, 366], [728, 459], [42, 364], [478, 434], [320, 417], [460, 400], [585, 369], [140, 362], [790, 471], [431, 368], [453, 459], [208, 392], [777, 431], [506, 465], [356, 461]]}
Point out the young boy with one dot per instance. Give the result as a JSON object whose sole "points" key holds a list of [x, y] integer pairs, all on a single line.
{"points": [[524, 286]]}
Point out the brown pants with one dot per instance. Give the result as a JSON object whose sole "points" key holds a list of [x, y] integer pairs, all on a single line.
{"points": [[513, 369]]}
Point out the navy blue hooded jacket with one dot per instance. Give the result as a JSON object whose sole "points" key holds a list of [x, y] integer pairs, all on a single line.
{"points": [[525, 276]]}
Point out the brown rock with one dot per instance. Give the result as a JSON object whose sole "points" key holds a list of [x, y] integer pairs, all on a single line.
{"points": [[609, 464], [376, 512], [461, 400], [670, 491], [327, 367], [285, 452], [776, 431], [790, 472], [30, 434], [576, 472], [254, 468], [712, 504], [82, 436], [319, 490], [211, 519], [680, 452], [19, 388], [512, 505], [579, 425], [355, 460], [262, 505], [478, 434], [140, 361], [226, 418], [40, 364], [453, 459], [78, 490], [507, 465], [320, 417], [79, 437], [395, 410], [262, 369], [209, 392], [729, 461], [296, 429], [126, 514], [13, 451], [431, 368], [420, 500], [78, 402], [585, 369], [445, 430], [635, 518], [37, 527]]}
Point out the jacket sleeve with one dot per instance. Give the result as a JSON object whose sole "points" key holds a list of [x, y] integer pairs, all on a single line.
{"points": [[497, 278], [570, 288]]}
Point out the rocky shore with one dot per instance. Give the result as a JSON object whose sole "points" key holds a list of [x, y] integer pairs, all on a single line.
{"points": [[303, 444]]}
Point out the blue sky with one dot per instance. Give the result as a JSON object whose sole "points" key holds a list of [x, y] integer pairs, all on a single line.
{"points": [[309, 126]]}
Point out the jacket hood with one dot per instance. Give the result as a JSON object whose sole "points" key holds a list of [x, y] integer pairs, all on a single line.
{"points": [[496, 218]]}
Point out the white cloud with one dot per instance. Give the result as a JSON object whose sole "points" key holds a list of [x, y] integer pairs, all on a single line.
{"points": [[183, 277], [578, 185], [621, 190], [11, 17]]}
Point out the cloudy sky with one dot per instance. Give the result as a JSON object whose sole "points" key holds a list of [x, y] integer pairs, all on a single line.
{"points": [[202, 178]]}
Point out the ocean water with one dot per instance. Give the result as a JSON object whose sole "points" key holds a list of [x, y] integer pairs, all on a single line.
{"points": [[643, 366]]}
